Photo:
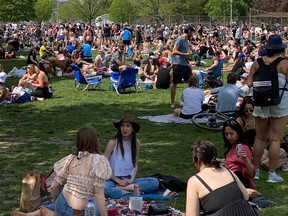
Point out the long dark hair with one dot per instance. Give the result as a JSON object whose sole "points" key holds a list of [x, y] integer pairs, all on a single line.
{"points": [[234, 125], [42, 68], [119, 144], [205, 151], [246, 100]]}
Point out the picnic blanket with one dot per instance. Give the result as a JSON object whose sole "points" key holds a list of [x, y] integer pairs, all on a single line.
{"points": [[156, 195], [170, 118], [122, 206]]}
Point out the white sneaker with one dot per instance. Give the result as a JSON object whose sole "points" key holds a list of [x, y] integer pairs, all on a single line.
{"points": [[274, 178], [257, 174]]}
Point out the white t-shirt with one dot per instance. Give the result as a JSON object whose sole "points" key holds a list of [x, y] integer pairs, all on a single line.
{"points": [[192, 100], [245, 88]]}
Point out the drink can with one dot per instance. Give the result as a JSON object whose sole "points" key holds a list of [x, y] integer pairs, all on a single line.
{"points": [[136, 190]]}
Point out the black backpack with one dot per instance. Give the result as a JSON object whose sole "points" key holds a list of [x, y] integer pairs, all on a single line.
{"points": [[266, 85]]}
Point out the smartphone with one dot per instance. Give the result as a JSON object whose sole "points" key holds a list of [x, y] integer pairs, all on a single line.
{"points": [[238, 148]]}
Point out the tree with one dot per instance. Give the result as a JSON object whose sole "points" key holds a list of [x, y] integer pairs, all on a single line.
{"points": [[160, 10], [121, 11], [150, 8], [218, 8], [17, 10], [67, 12], [277, 6], [44, 8], [89, 9]]}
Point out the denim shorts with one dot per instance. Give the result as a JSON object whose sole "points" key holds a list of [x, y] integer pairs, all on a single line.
{"points": [[62, 208], [275, 111]]}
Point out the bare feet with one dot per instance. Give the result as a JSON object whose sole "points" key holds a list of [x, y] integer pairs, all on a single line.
{"points": [[47, 212]]}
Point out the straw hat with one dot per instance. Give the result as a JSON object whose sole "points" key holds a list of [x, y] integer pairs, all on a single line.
{"points": [[128, 118]]}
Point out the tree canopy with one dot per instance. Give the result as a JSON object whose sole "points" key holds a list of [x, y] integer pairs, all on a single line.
{"points": [[43, 9], [121, 11], [126, 10], [17, 10]]}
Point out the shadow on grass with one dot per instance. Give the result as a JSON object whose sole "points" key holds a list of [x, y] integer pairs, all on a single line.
{"points": [[35, 135]]}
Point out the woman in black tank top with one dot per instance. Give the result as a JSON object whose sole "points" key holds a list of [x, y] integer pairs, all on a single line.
{"points": [[210, 191]]}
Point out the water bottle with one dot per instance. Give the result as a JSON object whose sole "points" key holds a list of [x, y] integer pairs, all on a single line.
{"points": [[90, 210]]}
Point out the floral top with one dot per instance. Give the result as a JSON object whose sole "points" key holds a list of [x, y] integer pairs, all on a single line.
{"points": [[82, 186]]}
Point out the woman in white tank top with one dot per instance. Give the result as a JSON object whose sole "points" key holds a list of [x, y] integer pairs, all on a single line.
{"points": [[122, 152]]}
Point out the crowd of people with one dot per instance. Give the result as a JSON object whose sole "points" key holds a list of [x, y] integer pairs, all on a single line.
{"points": [[173, 54]]}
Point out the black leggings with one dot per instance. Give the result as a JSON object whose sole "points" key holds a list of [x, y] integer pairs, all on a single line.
{"points": [[245, 181], [41, 93]]}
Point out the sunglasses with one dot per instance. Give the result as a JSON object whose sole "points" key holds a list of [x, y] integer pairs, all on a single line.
{"points": [[230, 122], [28, 67], [248, 110]]}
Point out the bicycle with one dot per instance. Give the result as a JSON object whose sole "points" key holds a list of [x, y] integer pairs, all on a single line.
{"points": [[212, 119]]}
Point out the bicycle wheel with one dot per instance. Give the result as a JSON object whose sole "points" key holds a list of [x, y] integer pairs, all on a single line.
{"points": [[209, 121]]}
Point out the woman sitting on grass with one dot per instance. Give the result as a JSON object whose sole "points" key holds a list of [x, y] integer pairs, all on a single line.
{"points": [[41, 84], [238, 155], [246, 119], [28, 78], [215, 190], [83, 176], [122, 152], [192, 98], [150, 70]]}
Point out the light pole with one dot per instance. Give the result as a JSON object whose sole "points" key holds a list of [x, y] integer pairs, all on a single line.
{"points": [[231, 12]]}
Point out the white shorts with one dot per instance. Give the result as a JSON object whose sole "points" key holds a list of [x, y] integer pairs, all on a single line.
{"points": [[275, 111]]}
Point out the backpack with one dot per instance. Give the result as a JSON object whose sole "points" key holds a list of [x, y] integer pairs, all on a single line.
{"points": [[170, 182], [266, 85]]}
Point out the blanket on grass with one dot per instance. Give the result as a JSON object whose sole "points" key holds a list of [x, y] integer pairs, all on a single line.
{"points": [[156, 195], [170, 118]]}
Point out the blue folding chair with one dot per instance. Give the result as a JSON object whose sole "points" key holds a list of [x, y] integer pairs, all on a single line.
{"points": [[129, 52], [84, 82], [123, 80], [215, 78]]}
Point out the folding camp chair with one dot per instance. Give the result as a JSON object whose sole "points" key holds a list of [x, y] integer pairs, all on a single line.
{"points": [[123, 80], [129, 52], [84, 82], [214, 78]]}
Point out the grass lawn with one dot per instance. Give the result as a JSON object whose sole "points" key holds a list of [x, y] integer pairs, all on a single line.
{"points": [[35, 135]]}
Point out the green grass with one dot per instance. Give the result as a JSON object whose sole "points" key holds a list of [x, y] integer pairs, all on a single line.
{"points": [[35, 135]]}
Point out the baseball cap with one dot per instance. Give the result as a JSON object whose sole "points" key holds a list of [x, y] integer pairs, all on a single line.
{"points": [[3, 77]]}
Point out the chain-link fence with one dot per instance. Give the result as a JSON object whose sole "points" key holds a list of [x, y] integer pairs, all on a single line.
{"points": [[252, 19]]}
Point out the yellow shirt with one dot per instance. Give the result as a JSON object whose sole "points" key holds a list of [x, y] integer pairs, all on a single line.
{"points": [[42, 51]]}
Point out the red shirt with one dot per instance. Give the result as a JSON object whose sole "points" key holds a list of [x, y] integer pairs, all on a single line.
{"points": [[162, 60], [235, 163]]}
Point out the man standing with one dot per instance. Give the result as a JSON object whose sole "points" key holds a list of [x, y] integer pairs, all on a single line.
{"points": [[180, 61]]}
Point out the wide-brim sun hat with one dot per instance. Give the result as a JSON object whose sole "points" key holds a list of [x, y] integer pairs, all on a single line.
{"points": [[130, 119], [275, 42], [3, 77]]}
